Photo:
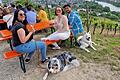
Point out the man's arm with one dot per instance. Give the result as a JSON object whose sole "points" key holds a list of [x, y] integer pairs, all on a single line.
{"points": [[71, 19]]}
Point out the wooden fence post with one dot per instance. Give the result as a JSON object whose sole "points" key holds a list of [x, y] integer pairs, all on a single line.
{"points": [[103, 25], [107, 29], [111, 27], [94, 28], [119, 31], [115, 30]]}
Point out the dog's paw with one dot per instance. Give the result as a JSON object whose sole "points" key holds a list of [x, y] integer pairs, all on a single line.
{"points": [[88, 51], [95, 44]]}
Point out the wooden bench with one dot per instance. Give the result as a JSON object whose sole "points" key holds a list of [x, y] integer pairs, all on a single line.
{"points": [[7, 35], [48, 42], [39, 26], [13, 54]]}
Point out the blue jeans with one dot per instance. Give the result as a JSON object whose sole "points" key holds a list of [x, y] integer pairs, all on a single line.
{"points": [[30, 48]]}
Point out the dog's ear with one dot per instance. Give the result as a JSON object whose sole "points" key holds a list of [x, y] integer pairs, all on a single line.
{"points": [[69, 53], [72, 58], [89, 32], [55, 56], [48, 58], [49, 64]]}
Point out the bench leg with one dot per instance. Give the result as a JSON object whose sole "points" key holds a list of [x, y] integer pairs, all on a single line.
{"points": [[11, 44], [22, 64], [62, 43], [71, 42]]}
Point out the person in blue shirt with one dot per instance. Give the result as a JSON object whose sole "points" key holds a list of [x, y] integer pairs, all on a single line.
{"points": [[74, 21], [31, 15]]}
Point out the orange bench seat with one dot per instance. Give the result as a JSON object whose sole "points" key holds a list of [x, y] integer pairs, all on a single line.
{"points": [[39, 26], [11, 54], [48, 42], [5, 33], [5, 38]]}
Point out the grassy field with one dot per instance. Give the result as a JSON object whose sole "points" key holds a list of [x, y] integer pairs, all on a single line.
{"points": [[102, 64], [108, 51]]}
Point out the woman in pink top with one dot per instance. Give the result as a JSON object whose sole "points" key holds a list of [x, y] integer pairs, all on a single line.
{"points": [[61, 25]]}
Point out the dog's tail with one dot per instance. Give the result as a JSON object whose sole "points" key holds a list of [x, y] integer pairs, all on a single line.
{"points": [[45, 76], [75, 63]]}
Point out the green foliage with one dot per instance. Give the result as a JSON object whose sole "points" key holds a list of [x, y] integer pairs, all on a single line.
{"points": [[112, 2], [98, 9], [116, 13], [51, 13], [106, 9], [116, 4], [92, 5], [111, 16], [83, 14]]}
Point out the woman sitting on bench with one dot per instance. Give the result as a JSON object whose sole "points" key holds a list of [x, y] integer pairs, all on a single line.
{"points": [[22, 39], [61, 24]]}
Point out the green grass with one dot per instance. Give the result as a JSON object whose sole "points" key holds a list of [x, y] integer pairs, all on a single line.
{"points": [[105, 54]]}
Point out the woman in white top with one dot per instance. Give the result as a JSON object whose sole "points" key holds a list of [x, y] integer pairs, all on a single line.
{"points": [[62, 30]]}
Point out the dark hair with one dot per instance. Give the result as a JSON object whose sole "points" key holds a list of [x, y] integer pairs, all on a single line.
{"points": [[66, 5], [29, 7], [61, 9], [12, 5], [40, 7], [16, 18], [19, 6]]}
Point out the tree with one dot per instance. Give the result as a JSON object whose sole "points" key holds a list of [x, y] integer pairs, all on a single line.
{"points": [[106, 9]]}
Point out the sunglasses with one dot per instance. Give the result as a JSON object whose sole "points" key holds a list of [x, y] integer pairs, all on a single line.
{"points": [[21, 14]]}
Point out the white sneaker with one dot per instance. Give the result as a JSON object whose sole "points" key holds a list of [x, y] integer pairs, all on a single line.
{"points": [[42, 39], [56, 48]]}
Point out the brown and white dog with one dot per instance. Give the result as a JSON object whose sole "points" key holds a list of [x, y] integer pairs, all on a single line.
{"points": [[62, 62], [85, 41]]}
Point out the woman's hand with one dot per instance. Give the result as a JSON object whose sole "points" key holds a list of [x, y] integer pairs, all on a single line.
{"points": [[33, 29], [52, 22]]}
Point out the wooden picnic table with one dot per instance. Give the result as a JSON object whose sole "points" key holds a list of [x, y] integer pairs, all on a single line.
{"points": [[7, 34], [39, 26]]}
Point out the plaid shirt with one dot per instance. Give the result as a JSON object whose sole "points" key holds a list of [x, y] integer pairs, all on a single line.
{"points": [[75, 22]]}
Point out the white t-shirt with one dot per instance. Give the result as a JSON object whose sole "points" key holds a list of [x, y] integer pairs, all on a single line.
{"points": [[10, 18]]}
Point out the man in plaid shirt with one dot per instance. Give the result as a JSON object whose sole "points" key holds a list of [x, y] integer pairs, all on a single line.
{"points": [[74, 21]]}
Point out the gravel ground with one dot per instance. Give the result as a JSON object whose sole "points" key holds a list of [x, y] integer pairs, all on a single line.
{"points": [[10, 70]]}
